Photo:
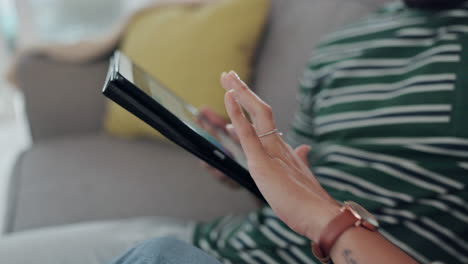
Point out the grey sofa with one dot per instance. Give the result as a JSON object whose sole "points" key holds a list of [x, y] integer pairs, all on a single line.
{"points": [[74, 172]]}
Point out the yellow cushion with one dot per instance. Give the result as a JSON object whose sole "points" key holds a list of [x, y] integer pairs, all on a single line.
{"points": [[187, 48]]}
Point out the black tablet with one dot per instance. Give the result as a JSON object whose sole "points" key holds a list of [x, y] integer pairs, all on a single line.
{"points": [[148, 99]]}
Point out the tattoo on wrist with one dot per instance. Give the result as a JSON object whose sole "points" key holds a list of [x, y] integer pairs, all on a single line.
{"points": [[347, 255]]}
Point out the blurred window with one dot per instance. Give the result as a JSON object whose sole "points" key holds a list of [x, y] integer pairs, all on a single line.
{"points": [[69, 21], [8, 22]]}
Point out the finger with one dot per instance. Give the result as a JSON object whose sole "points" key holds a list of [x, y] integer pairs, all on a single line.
{"points": [[303, 151], [213, 171], [217, 174], [212, 117], [204, 164], [232, 132], [260, 112], [209, 168], [221, 177], [208, 127], [232, 184], [250, 142]]}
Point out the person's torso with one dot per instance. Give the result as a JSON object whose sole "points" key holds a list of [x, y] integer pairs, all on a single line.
{"points": [[382, 103], [384, 106]]}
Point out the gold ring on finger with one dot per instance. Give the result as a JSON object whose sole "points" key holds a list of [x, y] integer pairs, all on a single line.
{"points": [[274, 131]]}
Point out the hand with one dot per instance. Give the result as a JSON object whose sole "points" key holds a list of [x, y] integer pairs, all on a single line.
{"points": [[210, 120], [281, 173]]}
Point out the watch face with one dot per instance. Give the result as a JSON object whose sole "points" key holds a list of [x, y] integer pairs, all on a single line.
{"points": [[363, 214]]}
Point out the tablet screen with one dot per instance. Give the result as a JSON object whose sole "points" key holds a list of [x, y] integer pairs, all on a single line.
{"points": [[182, 110]]}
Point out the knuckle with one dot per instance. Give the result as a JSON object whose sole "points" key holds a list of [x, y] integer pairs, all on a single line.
{"points": [[249, 135], [236, 111], [267, 111]]}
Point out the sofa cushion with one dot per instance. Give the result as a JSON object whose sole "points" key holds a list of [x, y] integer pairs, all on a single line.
{"points": [[62, 98], [95, 177], [186, 48]]}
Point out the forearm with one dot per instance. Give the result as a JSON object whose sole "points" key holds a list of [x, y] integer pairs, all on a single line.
{"points": [[284, 178], [360, 246]]}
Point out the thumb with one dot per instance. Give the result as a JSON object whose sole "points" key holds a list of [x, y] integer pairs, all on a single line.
{"points": [[302, 151]]}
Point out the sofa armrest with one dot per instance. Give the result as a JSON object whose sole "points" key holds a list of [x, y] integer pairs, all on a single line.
{"points": [[96, 177], [61, 98]]}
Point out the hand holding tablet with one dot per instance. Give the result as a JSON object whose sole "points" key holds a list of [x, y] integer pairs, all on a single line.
{"points": [[148, 99]]}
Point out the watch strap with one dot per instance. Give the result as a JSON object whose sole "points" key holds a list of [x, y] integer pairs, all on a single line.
{"points": [[331, 233]]}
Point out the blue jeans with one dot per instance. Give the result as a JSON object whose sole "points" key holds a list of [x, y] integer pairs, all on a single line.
{"points": [[165, 251]]}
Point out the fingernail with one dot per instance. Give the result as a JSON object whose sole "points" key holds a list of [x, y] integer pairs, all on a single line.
{"points": [[235, 74], [234, 94], [223, 74], [229, 126]]}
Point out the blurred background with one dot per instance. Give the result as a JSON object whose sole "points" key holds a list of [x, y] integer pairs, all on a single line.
{"points": [[7, 45], [26, 23], [69, 156], [10, 102]]}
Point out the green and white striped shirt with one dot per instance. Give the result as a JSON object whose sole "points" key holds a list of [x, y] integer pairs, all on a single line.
{"points": [[382, 102]]}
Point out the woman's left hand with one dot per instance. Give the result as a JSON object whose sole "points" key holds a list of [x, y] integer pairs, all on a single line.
{"points": [[281, 173]]}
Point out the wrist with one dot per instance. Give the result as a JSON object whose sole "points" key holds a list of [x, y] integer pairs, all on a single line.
{"points": [[351, 216], [320, 217]]}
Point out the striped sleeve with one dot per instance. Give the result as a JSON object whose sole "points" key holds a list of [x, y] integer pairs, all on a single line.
{"points": [[383, 103]]}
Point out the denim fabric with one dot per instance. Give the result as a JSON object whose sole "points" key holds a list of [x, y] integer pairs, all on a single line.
{"points": [[165, 251], [88, 243]]}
